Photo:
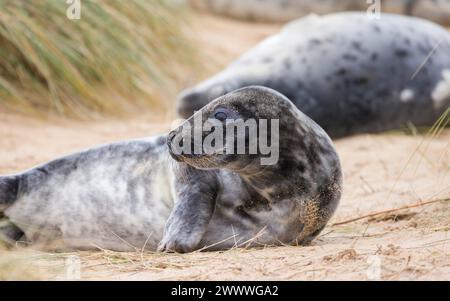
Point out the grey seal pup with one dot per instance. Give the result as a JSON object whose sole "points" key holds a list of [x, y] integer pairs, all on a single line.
{"points": [[349, 73], [140, 193], [286, 10]]}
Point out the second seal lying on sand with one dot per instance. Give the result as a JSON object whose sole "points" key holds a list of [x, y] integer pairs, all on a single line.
{"points": [[123, 195], [349, 73]]}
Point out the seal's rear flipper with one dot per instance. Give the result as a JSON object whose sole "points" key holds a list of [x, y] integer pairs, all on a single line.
{"points": [[9, 186]]}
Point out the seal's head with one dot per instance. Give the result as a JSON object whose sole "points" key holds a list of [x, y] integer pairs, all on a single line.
{"points": [[242, 131], [234, 131]]}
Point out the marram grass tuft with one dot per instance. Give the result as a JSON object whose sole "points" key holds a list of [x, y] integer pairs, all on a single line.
{"points": [[119, 56]]}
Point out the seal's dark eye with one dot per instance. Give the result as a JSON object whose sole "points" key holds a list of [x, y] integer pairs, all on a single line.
{"points": [[220, 116]]}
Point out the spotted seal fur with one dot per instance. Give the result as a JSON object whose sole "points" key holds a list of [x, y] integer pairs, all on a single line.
{"points": [[141, 193]]}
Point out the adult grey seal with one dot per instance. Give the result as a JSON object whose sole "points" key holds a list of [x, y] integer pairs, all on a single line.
{"points": [[286, 10], [349, 73], [141, 193]]}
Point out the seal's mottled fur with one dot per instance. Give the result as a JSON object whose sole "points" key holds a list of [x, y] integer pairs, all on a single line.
{"points": [[137, 193]]}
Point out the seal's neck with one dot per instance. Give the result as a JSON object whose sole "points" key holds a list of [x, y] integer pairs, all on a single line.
{"points": [[266, 181]]}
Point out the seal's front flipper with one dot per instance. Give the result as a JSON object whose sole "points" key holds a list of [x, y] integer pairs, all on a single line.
{"points": [[192, 212], [9, 186]]}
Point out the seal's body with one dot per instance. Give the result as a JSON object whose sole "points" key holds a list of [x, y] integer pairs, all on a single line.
{"points": [[140, 193], [349, 73], [96, 197], [286, 10]]}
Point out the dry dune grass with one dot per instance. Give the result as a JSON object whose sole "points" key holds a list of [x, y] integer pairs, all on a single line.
{"points": [[114, 59], [404, 171]]}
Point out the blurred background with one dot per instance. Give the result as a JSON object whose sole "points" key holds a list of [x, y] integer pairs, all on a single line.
{"points": [[118, 57], [84, 58], [71, 79], [286, 10]]}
